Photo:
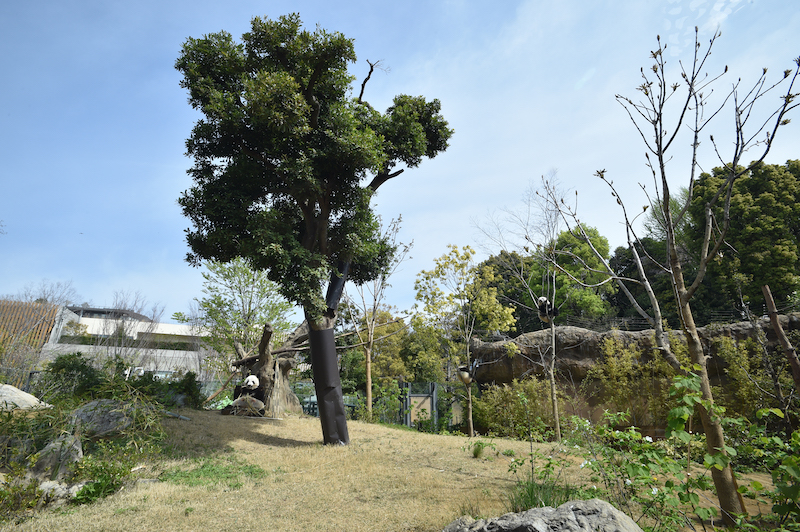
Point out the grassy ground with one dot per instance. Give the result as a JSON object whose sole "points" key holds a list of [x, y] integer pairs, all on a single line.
{"points": [[257, 474], [241, 474]]}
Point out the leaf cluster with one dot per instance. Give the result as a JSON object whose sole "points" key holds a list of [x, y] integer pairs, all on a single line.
{"points": [[282, 152]]}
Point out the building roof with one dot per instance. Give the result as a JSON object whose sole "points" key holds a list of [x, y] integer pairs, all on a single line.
{"points": [[107, 313], [26, 323]]}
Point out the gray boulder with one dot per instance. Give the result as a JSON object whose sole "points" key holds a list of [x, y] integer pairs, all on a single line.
{"points": [[54, 460], [102, 417], [574, 516], [12, 398]]}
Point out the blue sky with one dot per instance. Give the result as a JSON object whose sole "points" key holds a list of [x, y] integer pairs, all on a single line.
{"points": [[93, 121]]}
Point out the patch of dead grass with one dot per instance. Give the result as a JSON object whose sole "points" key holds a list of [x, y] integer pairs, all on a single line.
{"points": [[387, 479]]}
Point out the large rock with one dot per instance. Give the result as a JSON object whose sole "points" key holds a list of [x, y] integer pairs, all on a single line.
{"points": [[575, 516], [12, 398], [102, 417], [54, 460], [578, 349]]}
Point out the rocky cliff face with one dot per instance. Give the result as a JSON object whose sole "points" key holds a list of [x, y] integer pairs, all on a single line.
{"points": [[579, 349]]}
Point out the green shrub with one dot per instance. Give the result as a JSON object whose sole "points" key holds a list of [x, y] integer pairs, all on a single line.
{"points": [[625, 380], [478, 447], [180, 390], [544, 484], [71, 376], [385, 404], [520, 410], [17, 501]]}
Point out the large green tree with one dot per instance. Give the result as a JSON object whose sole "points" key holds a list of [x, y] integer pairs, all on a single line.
{"points": [[582, 287], [763, 242], [286, 161]]}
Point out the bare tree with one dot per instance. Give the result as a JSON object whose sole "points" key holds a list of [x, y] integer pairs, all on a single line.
{"points": [[125, 332], [664, 112], [526, 233], [53, 292], [369, 300]]}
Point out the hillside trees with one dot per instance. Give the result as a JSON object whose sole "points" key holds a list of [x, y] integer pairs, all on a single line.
{"points": [[285, 164], [564, 270], [763, 241]]}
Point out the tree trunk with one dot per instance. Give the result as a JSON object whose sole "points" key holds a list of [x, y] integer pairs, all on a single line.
{"points": [[551, 374], [368, 369], [788, 348], [470, 427], [730, 500], [328, 385], [273, 376]]}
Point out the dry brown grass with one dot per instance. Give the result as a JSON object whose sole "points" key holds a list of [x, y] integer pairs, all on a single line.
{"points": [[387, 479]]}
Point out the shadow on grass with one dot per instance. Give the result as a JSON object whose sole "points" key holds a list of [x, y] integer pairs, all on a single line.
{"points": [[208, 432]]}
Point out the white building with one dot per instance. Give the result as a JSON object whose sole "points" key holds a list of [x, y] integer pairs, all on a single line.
{"points": [[130, 338]]}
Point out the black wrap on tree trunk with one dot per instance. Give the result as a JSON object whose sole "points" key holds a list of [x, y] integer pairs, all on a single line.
{"points": [[328, 386]]}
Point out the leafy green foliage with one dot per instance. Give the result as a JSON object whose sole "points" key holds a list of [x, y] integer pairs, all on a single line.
{"points": [[388, 337], [181, 390], [635, 470], [478, 447], [764, 236], [73, 375], [519, 410], [512, 272], [106, 463], [579, 291], [17, 501], [106, 468], [786, 477], [457, 299], [625, 380], [545, 484], [577, 287], [424, 349], [282, 151], [73, 378], [238, 302], [386, 404]]}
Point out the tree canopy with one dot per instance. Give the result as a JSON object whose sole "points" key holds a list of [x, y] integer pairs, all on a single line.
{"points": [[283, 152], [763, 242], [238, 302], [286, 161]]}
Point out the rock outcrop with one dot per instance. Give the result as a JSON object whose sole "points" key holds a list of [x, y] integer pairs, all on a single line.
{"points": [[577, 349], [54, 460], [102, 417], [12, 398], [575, 516]]}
